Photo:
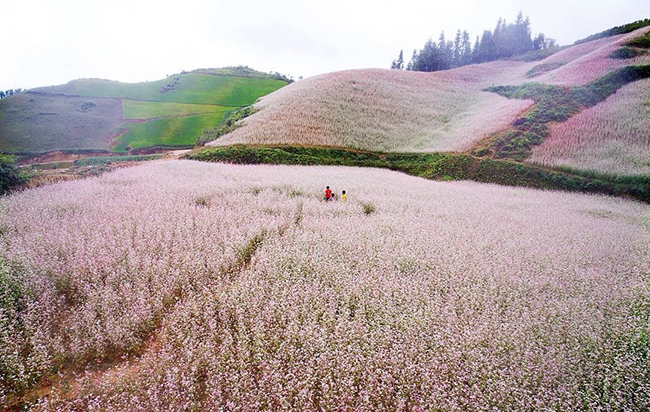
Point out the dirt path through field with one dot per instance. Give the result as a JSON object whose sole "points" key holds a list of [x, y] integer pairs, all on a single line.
{"points": [[112, 367]]}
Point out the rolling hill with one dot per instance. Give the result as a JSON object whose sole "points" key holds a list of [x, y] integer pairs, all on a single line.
{"points": [[94, 114], [460, 110], [188, 285]]}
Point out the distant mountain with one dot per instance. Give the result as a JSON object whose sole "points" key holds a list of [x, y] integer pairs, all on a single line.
{"points": [[94, 114]]}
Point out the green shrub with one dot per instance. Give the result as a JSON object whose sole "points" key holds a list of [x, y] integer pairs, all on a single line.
{"points": [[626, 28], [244, 71], [626, 53], [228, 124], [368, 208], [641, 42], [104, 160], [543, 68], [9, 176], [203, 201]]}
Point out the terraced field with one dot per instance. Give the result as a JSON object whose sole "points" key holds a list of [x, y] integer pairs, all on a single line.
{"points": [[94, 114], [167, 131], [188, 88], [136, 109]]}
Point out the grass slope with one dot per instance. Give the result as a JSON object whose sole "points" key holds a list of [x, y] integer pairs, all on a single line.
{"points": [[89, 113], [398, 111], [611, 137], [173, 131], [137, 109], [389, 110], [190, 88], [35, 123], [552, 104]]}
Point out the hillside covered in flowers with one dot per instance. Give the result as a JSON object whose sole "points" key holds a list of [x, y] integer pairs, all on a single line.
{"points": [[182, 285]]}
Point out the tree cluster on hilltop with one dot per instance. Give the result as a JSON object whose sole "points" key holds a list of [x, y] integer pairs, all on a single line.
{"points": [[244, 71], [505, 41], [10, 92]]}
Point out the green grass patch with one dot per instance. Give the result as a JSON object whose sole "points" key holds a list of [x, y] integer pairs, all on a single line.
{"points": [[187, 88], [169, 132], [626, 53], [436, 166], [642, 42], [614, 31], [228, 124], [537, 55], [552, 104], [52, 165], [137, 109], [543, 68], [106, 160]]}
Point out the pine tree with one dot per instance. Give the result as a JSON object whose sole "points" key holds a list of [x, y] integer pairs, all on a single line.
{"points": [[487, 48], [526, 40], [466, 49], [411, 63], [498, 35], [539, 42], [399, 63], [477, 45], [458, 52], [429, 59], [445, 53]]}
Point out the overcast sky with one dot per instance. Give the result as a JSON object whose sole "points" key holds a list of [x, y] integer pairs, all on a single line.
{"points": [[51, 42]]}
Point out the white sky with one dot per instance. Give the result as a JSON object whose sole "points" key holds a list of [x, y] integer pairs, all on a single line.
{"points": [[51, 42]]}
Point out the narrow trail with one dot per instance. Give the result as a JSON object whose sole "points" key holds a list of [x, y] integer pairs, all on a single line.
{"points": [[112, 366]]}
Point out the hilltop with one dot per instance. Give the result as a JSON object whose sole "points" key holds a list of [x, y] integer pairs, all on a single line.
{"points": [[96, 114], [394, 110], [581, 111]]}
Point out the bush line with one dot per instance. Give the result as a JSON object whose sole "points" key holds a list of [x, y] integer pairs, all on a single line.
{"points": [[434, 166], [552, 104]]}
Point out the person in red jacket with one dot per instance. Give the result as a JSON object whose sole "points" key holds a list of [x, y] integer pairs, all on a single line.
{"points": [[328, 194]]}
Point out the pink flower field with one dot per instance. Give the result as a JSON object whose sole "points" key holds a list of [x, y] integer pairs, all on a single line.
{"points": [[222, 287], [392, 110], [587, 62], [387, 110], [612, 137]]}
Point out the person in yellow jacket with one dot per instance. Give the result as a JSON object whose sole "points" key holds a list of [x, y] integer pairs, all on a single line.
{"points": [[344, 197]]}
